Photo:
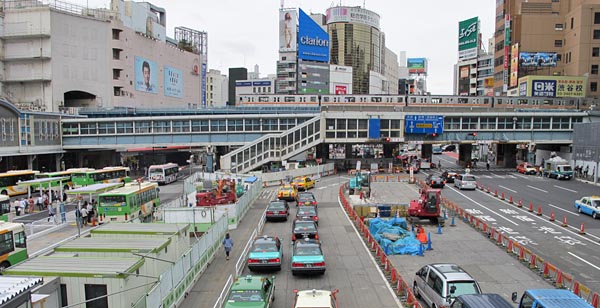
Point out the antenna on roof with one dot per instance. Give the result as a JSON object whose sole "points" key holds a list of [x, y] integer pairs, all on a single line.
{"points": [[282, 3]]}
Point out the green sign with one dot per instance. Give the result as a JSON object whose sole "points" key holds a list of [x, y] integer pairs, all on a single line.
{"points": [[468, 37]]}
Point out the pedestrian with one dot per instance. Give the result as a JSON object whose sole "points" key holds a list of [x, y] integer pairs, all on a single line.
{"points": [[227, 244], [51, 213], [84, 215], [17, 205], [90, 212], [585, 172], [24, 205], [30, 204], [78, 216], [64, 196], [63, 212], [439, 164], [487, 166], [40, 203]]}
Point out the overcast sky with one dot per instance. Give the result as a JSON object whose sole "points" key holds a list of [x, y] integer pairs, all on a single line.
{"points": [[242, 33]]}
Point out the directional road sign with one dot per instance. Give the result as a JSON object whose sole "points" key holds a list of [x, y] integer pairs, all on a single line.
{"points": [[423, 124]]}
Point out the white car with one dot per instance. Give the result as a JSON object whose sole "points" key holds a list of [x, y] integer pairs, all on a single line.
{"points": [[315, 299], [465, 181]]}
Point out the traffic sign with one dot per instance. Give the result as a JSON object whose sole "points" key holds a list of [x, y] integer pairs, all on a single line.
{"points": [[423, 124]]}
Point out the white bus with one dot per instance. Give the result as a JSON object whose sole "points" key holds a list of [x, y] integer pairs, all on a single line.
{"points": [[163, 174]]}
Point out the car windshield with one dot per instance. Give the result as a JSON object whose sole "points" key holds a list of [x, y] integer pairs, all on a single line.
{"points": [[305, 227], [462, 287], [435, 178], [264, 247], [307, 250], [245, 296], [305, 198], [567, 168], [596, 203], [306, 210], [468, 178], [276, 206]]}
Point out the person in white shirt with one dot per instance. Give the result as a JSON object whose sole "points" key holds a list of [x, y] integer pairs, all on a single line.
{"points": [[84, 215]]}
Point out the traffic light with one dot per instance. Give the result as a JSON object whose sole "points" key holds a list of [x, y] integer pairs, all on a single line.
{"points": [[385, 139], [474, 134], [434, 135]]}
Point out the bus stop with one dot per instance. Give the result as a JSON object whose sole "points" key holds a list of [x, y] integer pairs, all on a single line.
{"points": [[91, 190], [44, 183]]}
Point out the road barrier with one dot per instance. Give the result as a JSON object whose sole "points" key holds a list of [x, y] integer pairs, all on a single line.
{"points": [[398, 284], [547, 270]]}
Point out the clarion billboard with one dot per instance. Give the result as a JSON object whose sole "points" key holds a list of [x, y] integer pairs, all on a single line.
{"points": [[313, 41], [468, 38]]}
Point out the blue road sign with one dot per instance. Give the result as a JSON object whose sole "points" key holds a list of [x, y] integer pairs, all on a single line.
{"points": [[423, 124]]}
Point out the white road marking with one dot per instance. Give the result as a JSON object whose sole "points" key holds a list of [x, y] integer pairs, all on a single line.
{"points": [[507, 188], [537, 188], [521, 176], [565, 188], [585, 261], [487, 177], [511, 176], [389, 287], [481, 205], [558, 208], [498, 175]]}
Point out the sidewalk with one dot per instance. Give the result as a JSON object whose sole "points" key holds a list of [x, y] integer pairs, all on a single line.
{"points": [[205, 294]]}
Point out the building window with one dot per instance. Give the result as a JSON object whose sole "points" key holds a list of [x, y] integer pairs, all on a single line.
{"points": [[572, 21], [596, 18], [116, 54], [558, 43], [115, 34], [594, 69], [596, 34], [595, 51], [594, 86], [558, 27], [558, 57]]}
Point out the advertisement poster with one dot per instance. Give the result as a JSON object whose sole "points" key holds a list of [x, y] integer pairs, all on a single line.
{"points": [[538, 59], [553, 86], [287, 30], [203, 77], [468, 38], [146, 75], [514, 65], [415, 65], [340, 90], [173, 82], [313, 41]]}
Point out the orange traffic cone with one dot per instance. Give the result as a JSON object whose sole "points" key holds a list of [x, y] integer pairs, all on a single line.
{"points": [[93, 220], [531, 206], [539, 213], [564, 223], [581, 229], [552, 216]]}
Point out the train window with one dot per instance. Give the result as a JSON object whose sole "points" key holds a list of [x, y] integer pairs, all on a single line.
{"points": [[523, 101], [289, 99], [376, 99], [313, 99], [349, 99], [486, 101], [400, 99], [463, 100], [498, 101], [436, 100], [325, 99], [263, 99]]}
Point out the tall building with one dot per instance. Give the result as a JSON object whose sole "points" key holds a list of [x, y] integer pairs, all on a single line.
{"points": [[217, 85], [72, 56], [356, 41], [235, 74], [391, 73], [546, 38]]}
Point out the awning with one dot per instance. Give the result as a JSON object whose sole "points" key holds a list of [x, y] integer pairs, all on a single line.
{"points": [[94, 188]]}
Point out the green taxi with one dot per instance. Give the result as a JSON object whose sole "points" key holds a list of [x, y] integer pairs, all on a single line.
{"points": [[266, 254], [251, 292], [307, 257]]}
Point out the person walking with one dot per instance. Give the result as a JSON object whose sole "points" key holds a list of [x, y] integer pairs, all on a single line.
{"points": [[30, 204], [227, 244], [84, 215], [63, 212], [51, 213], [487, 165]]}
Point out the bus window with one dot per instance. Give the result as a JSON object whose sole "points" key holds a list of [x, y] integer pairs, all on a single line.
{"points": [[20, 240]]}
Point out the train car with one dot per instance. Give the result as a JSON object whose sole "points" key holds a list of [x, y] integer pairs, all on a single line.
{"points": [[523, 102], [275, 100], [449, 101], [370, 100]]}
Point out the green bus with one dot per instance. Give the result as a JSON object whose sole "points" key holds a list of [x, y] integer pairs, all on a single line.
{"points": [[99, 176], [13, 244], [4, 207], [54, 184], [132, 202]]}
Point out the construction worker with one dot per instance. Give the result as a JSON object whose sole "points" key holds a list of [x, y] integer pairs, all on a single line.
{"points": [[421, 235]]}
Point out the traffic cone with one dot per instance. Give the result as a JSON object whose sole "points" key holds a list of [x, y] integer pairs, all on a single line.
{"points": [[439, 230], [93, 220], [564, 223], [510, 200], [539, 212], [520, 203], [581, 229], [552, 216], [496, 193], [531, 206], [429, 241], [502, 197]]}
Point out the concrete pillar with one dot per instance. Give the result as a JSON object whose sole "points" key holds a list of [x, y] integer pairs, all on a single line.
{"points": [[30, 159], [426, 151]]}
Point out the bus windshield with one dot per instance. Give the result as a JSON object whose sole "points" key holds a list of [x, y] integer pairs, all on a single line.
{"points": [[112, 199]]}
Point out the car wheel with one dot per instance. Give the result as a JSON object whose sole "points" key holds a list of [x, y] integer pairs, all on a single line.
{"points": [[416, 291], [594, 215], [579, 210]]}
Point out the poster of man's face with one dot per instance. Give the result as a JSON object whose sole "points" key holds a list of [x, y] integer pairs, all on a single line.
{"points": [[146, 75]]}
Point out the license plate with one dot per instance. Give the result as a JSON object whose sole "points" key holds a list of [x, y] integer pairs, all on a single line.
{"points": [[264, 261], [308, 265]]}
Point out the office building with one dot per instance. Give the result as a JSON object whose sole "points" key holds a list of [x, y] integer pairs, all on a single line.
{"points": [[217, 85], [235, 74]]}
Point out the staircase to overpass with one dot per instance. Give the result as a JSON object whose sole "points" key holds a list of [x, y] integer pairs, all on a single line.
{"points": [[274, 147]]}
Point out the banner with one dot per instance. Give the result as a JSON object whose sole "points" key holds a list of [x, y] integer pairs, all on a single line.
{"points": [[287, 30], [514, 65], [468, 38], [313, 41], [146, 75], [537, 59], [415, 65], [173, 82], [552, 86]]}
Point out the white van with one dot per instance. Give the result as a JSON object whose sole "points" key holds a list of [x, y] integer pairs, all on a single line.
{"points": [[465, 181]]}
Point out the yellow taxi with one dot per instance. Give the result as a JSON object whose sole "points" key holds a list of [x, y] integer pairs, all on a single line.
{"points": [[287, 192], [303, 183]]}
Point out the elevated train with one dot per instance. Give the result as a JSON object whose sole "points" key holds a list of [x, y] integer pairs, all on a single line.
{"points": [[511, 102]]}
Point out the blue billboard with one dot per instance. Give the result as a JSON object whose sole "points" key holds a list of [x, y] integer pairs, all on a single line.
{"points": [[544, 88], [537, 59], [374, 128], [313, 41], [146, 75], [173, 82], [423, 124]]}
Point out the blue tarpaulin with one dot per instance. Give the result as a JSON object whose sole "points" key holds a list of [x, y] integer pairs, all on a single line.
{"points": [[251, 179], [393, 236]]}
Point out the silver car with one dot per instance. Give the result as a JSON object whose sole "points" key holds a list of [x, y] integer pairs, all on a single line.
{"points": [[439, 284], [465, 181]]}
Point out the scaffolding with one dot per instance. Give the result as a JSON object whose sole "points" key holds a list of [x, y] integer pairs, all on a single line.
{"points": [[197, 40]]}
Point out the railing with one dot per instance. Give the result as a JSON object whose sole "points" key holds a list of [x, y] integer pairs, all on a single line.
{"points": [[65, 7]]}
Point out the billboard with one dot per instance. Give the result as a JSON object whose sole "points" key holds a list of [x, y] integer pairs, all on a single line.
{"points": [[173, 82], [146, 75], [514, 65], [423, 124], [287, 30], [537, 59], [416, 65], [313, 41], [468, 38], [203, 83], [341, 89], [552, 86], [352, 15]]}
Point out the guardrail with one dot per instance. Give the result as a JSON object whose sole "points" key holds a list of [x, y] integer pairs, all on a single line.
{"points": [[224, 292], [556, 276]]}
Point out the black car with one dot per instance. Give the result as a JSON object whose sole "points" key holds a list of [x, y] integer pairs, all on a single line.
{"points": [[306, 198], [449, 176], [449, 148], [308, 212], [277, 210], [304, 229], [435, 181]]}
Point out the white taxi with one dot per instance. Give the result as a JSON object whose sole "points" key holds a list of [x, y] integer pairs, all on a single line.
{"points": [[315, 298], [589, 205]]}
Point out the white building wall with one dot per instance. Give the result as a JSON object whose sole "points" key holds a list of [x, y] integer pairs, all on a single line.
{"points": [[391, 72], [139, 17], [376, 83], [340, 79], [216, 88], [256, 86]]}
